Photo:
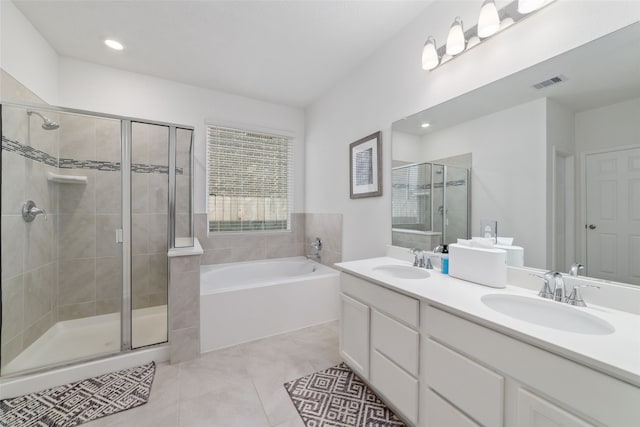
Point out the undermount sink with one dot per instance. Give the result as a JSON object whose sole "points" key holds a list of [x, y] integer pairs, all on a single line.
{"points": [[402, 271], [550, 314]]}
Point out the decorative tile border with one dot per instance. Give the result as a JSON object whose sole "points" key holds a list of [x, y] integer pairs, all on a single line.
{"points": [[28, 152], [63, 163]]}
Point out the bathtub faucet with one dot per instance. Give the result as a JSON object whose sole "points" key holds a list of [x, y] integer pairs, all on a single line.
{"points": [[317, 245]]}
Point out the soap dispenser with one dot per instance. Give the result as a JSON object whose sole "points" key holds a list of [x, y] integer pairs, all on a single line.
{"points": [[444, 264]]}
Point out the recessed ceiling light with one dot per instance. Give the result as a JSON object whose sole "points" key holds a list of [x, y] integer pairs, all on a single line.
{"points": [[425, 125], [114, 44]]}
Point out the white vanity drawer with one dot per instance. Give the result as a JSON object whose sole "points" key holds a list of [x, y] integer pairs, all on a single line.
{"points": [[396, 341], [438, 412], [474, 389], [395, 304], [398, 387]]}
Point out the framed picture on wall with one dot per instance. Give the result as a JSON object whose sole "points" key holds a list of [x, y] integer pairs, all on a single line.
{"points": [[365, 166]]}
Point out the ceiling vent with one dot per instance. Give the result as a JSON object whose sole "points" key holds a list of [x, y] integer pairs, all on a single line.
{"points": [[552, 81]]}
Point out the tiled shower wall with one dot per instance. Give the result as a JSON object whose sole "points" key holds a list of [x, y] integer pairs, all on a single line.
{"points": [[230, 247], [29, 264]]}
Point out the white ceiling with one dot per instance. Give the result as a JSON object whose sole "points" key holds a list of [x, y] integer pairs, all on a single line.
{"points": [[287, 52]]}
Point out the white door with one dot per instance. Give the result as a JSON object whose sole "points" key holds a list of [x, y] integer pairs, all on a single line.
{"points": [[613, 215], [354, 335]]}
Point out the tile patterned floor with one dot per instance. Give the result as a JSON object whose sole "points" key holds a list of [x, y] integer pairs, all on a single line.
{"points": [[240, 386]]}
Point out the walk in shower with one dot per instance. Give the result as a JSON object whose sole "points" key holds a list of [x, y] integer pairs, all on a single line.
{"points": [[430, 205], [90, 205]]}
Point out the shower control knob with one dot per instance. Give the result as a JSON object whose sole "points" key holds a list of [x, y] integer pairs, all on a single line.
{"points": [[30, 211]]}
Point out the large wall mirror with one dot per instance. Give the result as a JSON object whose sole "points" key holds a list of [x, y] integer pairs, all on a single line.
{"points": [[552, 154]]}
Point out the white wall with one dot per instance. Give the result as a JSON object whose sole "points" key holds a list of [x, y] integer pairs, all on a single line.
{"points": [[406, 148], [508, 172], [391, 84], [26, 55], [616, 125], [95, 87]]}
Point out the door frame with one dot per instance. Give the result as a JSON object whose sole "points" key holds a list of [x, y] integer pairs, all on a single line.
{"points": [[569, 160]]}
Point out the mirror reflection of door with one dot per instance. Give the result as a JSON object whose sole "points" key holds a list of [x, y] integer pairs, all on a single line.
{"points": [[613, 215]]}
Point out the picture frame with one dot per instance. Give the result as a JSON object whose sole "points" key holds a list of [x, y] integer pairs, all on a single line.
{"points": [[365, 166]]}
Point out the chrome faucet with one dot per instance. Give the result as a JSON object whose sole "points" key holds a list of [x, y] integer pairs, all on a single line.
{"points": [[575, 297], [418, 260], [558, 286], [575, 267], [438, 248], [317, 245], [558, 292], [545, 292]]}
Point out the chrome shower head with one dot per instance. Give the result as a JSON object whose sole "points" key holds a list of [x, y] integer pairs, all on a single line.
{"points": [[47, 124]]}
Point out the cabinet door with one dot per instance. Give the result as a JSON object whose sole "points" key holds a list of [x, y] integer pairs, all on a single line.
{"points": [[533, 411], [354, 335]]}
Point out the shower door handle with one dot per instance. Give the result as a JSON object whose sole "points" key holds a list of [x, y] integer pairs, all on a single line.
{"points": [[119, 235]]}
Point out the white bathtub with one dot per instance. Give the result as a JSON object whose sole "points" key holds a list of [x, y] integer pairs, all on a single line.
{"points": [[246, 301]]}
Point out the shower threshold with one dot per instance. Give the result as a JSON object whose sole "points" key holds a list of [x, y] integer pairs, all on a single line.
{"points": [[90, 337]]}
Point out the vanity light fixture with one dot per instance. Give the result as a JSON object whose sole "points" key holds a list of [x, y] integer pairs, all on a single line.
{"points": [[430, 57], [491, 21], [455, 40], [113, 44]]}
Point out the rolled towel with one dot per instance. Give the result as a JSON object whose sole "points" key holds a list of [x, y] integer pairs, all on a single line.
{"points": [[505, 241], [482, 242]]}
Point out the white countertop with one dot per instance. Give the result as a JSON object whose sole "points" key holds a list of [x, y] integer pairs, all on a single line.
{"points": [[617, 354]]}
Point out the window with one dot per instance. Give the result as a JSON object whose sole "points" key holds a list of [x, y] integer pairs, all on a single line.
{"points": [[250, 180]]}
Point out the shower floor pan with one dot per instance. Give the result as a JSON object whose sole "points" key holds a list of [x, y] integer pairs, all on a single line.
{"points": [[79, 339]]}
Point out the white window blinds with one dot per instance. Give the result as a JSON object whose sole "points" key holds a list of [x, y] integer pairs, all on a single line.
{"points": [[250, 180]]}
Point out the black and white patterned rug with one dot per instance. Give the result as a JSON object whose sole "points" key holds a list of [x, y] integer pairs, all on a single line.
{"points": [[336, 397], [82, 401]]}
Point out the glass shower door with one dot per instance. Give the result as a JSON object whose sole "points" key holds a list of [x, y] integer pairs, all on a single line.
{"points": [[149, 233]]}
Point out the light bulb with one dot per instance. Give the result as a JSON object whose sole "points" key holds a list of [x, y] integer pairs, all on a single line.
{"points": [[430, 58], [528, 6], [115, 45], [455, 39], [489, 20]]}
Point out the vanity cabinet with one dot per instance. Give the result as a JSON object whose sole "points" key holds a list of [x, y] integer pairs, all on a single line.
{"points": [[354, 335], [473, 375], [386, 354]]}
